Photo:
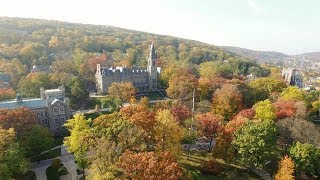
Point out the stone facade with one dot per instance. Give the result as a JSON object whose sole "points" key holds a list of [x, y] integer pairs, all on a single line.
{"points": [[292, 77], [144, 80], [51, 109]]}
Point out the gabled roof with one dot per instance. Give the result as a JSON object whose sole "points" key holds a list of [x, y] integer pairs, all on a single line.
{"points": [[29, 103]]}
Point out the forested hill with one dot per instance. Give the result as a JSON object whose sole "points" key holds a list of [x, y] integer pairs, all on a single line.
{"points": [[264, 56], [34, 42]]}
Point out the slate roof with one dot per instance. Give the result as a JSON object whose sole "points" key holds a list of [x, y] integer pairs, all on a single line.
{"points": [[29, 103]]}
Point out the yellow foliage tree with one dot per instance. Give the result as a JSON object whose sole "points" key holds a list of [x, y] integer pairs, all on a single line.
{"points": [[286, 169], [168, 134]]}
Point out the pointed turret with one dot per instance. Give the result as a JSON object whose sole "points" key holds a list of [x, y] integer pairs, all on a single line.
{"points": [[152, 68]]}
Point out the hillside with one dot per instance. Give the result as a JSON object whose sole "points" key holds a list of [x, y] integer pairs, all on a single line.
{"points": [[34, 41], [264, 56]]}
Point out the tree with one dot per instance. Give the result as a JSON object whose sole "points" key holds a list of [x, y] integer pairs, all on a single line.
{"points": [[80, 138], [168, 134], [30, 85], [255, 143], [113, 134], [227, 101], [21, 119], [293, 93], [182, 86], [12, 159], [240, 119], [207, 86], [209, 125], [264, 110], [180, 112], [36, 140], [285, 109], [286, 169], [265, 86], [140, 115], [6, 94], [306, 158], [77, 91], [149, 165], [124, 91]]}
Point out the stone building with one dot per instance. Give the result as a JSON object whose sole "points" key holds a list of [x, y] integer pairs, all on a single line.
{"points": [[41, 68], [51, 109], [292, 77], [144, 80]]}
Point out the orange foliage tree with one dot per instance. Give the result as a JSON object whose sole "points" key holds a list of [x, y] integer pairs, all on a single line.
{"points": [[286, 169], [149, 165], [180, 112], [140, 115], [227, 101], [124, 91], [285, 108], [19, 119], [7, 93], [209, 124]]}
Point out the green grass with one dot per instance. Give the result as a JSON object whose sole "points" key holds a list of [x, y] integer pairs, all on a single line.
{"points": [[192, 168], [54, 174], [151, 96]]}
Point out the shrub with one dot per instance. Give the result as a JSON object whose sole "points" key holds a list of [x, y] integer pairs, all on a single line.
{"points": [[211, 167]]}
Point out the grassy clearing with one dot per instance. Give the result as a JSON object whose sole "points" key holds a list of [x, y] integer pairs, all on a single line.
{"points": [[192, 167]]}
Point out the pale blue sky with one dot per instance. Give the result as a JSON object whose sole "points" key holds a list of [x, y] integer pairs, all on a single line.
{"points": [[289, 26]]}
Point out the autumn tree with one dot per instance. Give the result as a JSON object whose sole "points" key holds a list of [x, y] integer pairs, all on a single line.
{"points": [[293, 93], [168, 134], [30, 85], [227, 101], [149, 165], [181, 86], [306, 158], [140, 115], [6, 94], [207, 86], [124, 91], [12, 158], [264, 110], [285, 109], [15, 69], [80, 138], [209, 125], [181, 112], [113, 134], [255, 143], [286, 169], [20, 119], [265, 86]]}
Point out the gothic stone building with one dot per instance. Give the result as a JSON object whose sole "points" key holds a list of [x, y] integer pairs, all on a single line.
{"points": [[292, 77], [51, 109], [144, 80]]}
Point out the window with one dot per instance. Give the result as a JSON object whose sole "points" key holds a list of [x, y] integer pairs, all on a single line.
{"points": [[56, 120], [61, 108], [61, 119]]}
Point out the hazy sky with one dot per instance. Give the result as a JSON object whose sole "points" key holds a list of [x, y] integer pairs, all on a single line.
{"points": [[290, 26]]}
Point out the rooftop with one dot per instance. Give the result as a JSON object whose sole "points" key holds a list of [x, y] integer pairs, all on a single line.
{"points": [[29, 103]]}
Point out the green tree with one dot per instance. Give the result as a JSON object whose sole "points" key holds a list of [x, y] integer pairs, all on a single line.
{"points": [[265, 110], [77, 91], [306, 158], [267, 85], [36, 140], [12, 158], [80, 138], [255, 143], [30, 85]]}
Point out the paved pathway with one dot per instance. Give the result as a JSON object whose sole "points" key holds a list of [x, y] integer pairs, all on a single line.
{"points": [[39, 168]]}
